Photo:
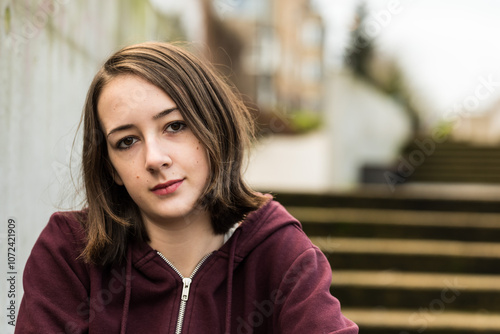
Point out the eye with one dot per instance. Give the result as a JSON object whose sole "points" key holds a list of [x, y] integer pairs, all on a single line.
{"points": [[126, 143], [175, 126]]}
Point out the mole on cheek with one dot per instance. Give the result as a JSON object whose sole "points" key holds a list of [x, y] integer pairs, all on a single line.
{"points": [[137, 176]]}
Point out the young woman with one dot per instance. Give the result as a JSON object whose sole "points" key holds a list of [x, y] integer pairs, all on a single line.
{"points": [[172, 240]]}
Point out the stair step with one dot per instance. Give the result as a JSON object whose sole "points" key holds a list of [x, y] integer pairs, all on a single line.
{"points": [[457, 148], [459, 155], [410, 255], [367, 230], [414, 290], [456, 165], [373, 223], [445, 178], [396, 217], [440, 170], [415, 197], [415, 280], [456, 161], [450, 163], [408, 247], [404, 298], [411, 263], [425, 320]]}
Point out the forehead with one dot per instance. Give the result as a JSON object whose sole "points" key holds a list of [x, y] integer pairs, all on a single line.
{"points": [[129, 95], [127, 89]]}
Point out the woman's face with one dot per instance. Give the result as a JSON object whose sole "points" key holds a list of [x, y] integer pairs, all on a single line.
{"points": [[155, 155]]}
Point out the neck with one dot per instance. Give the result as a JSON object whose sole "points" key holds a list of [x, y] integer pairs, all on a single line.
{"points": [[184, 244]]}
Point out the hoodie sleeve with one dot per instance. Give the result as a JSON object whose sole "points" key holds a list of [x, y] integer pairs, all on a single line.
{"points": [[55, 283], [307, 305]]}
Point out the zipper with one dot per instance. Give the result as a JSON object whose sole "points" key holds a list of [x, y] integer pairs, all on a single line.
{"points": [[186, 286]]}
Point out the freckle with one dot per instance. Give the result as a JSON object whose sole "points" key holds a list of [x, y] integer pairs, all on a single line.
{"points": [[137, 176]]}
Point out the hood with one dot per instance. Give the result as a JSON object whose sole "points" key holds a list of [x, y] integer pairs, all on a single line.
{"points": [[259, 225]]}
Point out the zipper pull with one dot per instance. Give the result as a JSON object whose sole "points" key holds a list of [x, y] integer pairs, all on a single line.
{"points": [[185, 288]]}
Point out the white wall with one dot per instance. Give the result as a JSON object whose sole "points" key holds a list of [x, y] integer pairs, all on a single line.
{"points": [[49, 52], [365, 127]]}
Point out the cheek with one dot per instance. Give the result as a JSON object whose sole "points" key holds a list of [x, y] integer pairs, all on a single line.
{"points": [[127, 171], [198, 160]]}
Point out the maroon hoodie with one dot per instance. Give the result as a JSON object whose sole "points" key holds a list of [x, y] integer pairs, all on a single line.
{"points": [[267, 278]]}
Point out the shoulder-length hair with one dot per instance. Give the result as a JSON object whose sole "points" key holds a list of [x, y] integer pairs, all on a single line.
{"points": [[215, 114]]}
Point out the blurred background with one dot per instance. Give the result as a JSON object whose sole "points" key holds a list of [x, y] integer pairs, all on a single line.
{"points": [[379, 128]]}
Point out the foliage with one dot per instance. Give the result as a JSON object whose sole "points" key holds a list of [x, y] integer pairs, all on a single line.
{"points": [[305, 121], [279, 121], [360, 50]]}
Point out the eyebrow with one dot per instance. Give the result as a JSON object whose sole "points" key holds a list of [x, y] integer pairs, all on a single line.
{"points": [[164, 113], [155, 117]]}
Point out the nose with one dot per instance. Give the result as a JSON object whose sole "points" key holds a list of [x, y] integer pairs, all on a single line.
{"points": [[157, 156]]}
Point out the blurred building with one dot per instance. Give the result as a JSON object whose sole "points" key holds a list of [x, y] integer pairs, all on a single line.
{"points": [[274, 49]]}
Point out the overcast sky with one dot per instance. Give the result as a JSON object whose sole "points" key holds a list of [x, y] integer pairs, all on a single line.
{"points": [[445, 46]]}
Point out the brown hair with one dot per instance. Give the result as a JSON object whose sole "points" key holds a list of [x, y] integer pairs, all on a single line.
{"points": [[215, 114]]}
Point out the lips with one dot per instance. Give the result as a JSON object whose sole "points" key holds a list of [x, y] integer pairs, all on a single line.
{"points": [[167, 187]]}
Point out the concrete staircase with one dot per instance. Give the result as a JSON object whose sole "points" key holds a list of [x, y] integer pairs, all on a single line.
{"points": [[452, 162], [409, 262]]}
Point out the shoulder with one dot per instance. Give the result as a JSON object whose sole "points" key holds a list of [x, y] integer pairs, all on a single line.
{"points": [[68, 222], [69, 219], [275, 233], [55, 278], [64, 230]]}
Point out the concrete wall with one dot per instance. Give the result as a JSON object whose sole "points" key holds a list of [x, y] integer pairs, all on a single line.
{"points": [[49, 52], [366, 128]]}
